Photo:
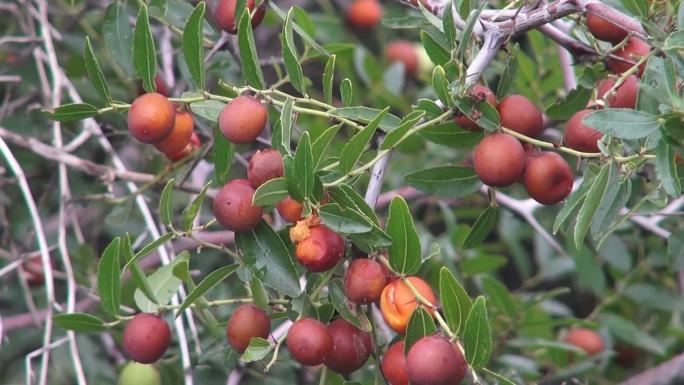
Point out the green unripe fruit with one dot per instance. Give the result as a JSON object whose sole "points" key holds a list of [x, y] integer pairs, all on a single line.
{"points": [[139, 374]]}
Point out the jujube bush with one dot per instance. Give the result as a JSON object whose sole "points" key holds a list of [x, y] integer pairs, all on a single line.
{"points": [[423, 192]]}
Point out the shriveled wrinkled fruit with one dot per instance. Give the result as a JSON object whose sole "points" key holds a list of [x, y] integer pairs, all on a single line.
{"points": [[586, 339], [625, 96], [225, 14], [151, 117], [243, 119], [601, 28], [146, 338], [247, 322], [548, 178], [499, 160], [579, 136], [364, 14], [180, 135], [233, 206], [393, 365], [321, 250], [350, 349], [402, 51], [433, 360], [397, 301], [630, 54], [309, 341], [364, 280], [480, 94], [263, 166], [519, 114], [135, 373], [290, 210]]}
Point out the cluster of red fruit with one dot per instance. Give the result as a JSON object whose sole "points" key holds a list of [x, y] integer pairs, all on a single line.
{"points": [[501, 160], [580, 136], [153, 119]]}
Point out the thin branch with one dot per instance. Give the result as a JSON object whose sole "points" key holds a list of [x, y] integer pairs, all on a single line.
{"points": [[44, 253]]}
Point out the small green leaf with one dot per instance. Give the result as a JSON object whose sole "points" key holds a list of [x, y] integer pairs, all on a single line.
{"points": [[396, 135], [207, 109], [467, 33], [322, 142], [250, 59], [455, 301], [441, 85], [420, 325], [591, 203], [257, 350], [193, 50], [450, 135], [144, 54], [344, 220], [346, 92], [328, 75], [211, 280], [190, 213], [294, 187], [349, 311], [95, 72], [477, 339], [291, 57], [445, 181], [626, 331], [259, 293], [576, 100], [300, 31], [270, 192], [623, 123], [353, 149], [366, 115], [74, 111], [346, 196], [304, 167], [450, 31], [483, 263], [79, 322], [405, 250], [109, 278], [499, 295], [223, 156], [269, 259], [117, 35], [150, 247], [573, 202], [436, 51], [126, 254], [164, 285], [488, 116], [287, 120], [510, 71], [481, 228], [666, 169], [166, 202]]}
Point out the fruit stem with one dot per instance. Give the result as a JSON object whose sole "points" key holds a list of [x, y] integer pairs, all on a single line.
{"points": [[324, 376], [631, 71], [381, 153], [567, 150], [279, 342]]}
